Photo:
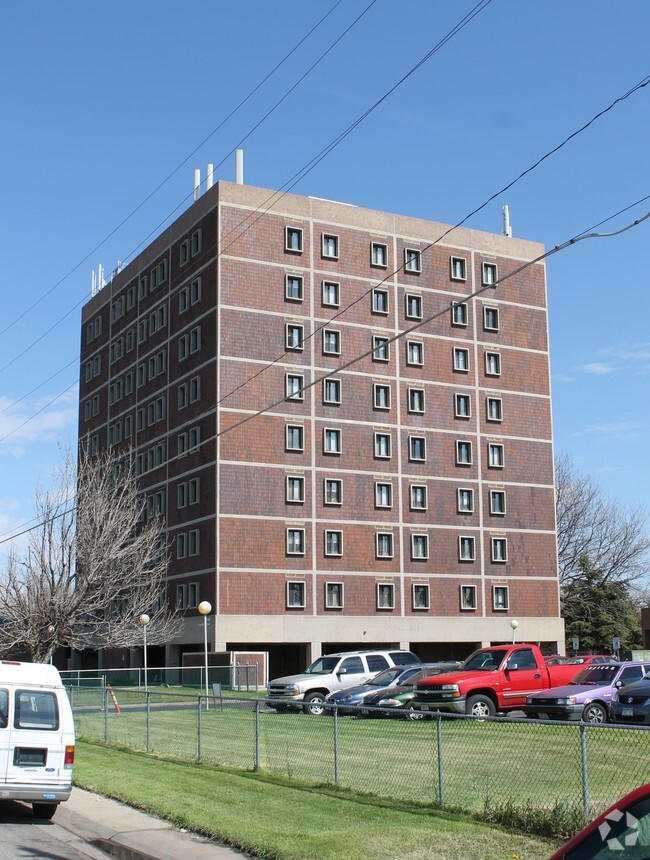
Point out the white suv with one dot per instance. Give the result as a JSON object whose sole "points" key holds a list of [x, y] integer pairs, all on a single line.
{"points": [[330, 673]]}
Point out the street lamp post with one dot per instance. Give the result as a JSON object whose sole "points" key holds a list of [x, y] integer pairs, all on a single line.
{"points": [[205, 608], [514, 624], [144, 620]]}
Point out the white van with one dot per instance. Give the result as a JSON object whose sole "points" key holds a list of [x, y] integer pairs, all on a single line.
{"points": [[36, 736]]}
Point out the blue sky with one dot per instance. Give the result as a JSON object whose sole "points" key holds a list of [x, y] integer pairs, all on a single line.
{"points": [[102, 102]]}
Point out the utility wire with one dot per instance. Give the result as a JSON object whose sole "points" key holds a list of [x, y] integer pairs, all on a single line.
{"points": [[586, 234]]}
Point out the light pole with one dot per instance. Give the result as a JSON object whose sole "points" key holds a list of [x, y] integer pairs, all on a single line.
{"points": [[205, 608], [514, 624], [51, 630], [144, 620]]}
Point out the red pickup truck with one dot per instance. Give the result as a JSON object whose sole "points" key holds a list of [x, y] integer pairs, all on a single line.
{"points": [[492, 679]]}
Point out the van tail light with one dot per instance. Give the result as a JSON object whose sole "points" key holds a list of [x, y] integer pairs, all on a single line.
{"points": [[68, 761]]}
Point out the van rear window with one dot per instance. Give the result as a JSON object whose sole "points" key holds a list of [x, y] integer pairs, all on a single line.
{"points": [[4, 708], [36, 710]]}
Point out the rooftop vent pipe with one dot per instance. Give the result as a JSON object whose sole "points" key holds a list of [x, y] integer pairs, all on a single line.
{"points": [[239, 166], [209, 180], [507, 229], [197, 183]]}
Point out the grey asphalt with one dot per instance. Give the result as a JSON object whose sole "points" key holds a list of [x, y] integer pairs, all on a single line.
{"points": [[126, 833]]}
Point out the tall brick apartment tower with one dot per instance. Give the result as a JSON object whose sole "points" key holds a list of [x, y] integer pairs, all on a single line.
{"points": [[406, 498]]}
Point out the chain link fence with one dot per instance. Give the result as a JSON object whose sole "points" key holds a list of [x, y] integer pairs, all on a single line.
{"points": [[448, 761]]}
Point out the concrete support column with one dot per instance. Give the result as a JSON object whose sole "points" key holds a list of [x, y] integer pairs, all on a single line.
{"points": [[314, 651], [404, 646]]}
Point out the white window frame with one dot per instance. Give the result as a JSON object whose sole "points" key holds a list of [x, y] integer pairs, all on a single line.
{"points": [[333, 240], [293, 248], [380, 348], [335, 286], [294, 281], [380, 301], [489, 274], [329, 552], [465, 500], [500, 557], [383, 494], [332, 499], [295, 482], [460, 443], [332, 392], [415, 353], [460, 315], [332, 433], [390, 544], [424, 588], [378, 387], [457, 268], [294, 337], [295, 537], [492, 363], [377, 251], [470, 542], [493, 447], [461, 359], [458, 397], [498, 605], [387, 589], [290, 382], [415, 400], [418, 497], [289, 428], [412, 261], [412, 457], [494, 409], [296, 588], [498, 510], [378, 436], [467, 603], [334, 336], [409, 312], [420, 539], [487, 311], [332, 588]]}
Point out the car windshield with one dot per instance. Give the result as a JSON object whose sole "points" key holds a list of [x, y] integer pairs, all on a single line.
{"points": [[485, 661], [323, 666], [597, 675], [383, 679]]}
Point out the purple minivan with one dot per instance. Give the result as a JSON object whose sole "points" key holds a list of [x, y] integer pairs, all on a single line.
{"points": [[586, 698]]}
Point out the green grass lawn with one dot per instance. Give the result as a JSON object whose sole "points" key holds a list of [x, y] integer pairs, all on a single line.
{"points": [[271, 818], [484, 764]]}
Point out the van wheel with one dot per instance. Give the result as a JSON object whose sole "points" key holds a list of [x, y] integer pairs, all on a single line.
{"points": [[44, 810], [480, 706], [314, 704]]}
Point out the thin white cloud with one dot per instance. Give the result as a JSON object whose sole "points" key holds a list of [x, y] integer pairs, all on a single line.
{"points": [[597, 368], [24, 423], [563, 377], [623, 427]]}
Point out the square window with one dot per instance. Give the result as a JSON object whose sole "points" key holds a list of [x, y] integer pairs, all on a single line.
{"points": [[500, 597], [495, 455], [331, 294], [295, 489], [384, 544], [192, 595], [378, 255], [294, 437], [465, 501], [468, 597], [181, 497], [293, 286], [383, 495], [295, 595], [491, 319], [181, 595], [418, 494], [416, 400], [461, 359], [489, 278], [142, 287], [332, 491], [379, 301], [466, 548], [333, 543], [194, 542], [458, 268], [499, 553], [420, 596], [417, 449], [294, 336], [497, 502], [381, 396], [494, 409], [385, 595], [383, 444], [181, 545], [459, 314], [462, 405], [331, 441], [293, 240], [333, 595], [492, 364], [463, 452], [412, 261], [381, 348], [413, 307], [330, 246], [194, 490], [332, 391], [294, 386], [184, 252], [196, 241], [195, 389], [415, 353], [331, 342], [419, 547], [295, 541]]}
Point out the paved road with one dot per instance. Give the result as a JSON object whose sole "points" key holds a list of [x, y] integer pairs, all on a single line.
{"points": [[25, 836]]}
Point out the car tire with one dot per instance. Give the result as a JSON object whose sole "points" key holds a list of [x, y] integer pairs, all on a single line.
{"points": [[594, 713], [314, 704], [480, 706], [44, 811]]}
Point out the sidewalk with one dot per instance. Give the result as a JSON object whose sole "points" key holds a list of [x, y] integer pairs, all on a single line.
{"points": [[128, 834]]}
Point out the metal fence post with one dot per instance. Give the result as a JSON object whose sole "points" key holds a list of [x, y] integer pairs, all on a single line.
{"points": [[148, 695], [441, 788], [199, 727], [336, 744], [585, 784], [105, 697], [257, 734]]}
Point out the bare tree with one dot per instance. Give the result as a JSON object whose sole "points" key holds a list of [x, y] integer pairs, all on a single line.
{"points": [[92, 567], [614, 538]]}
